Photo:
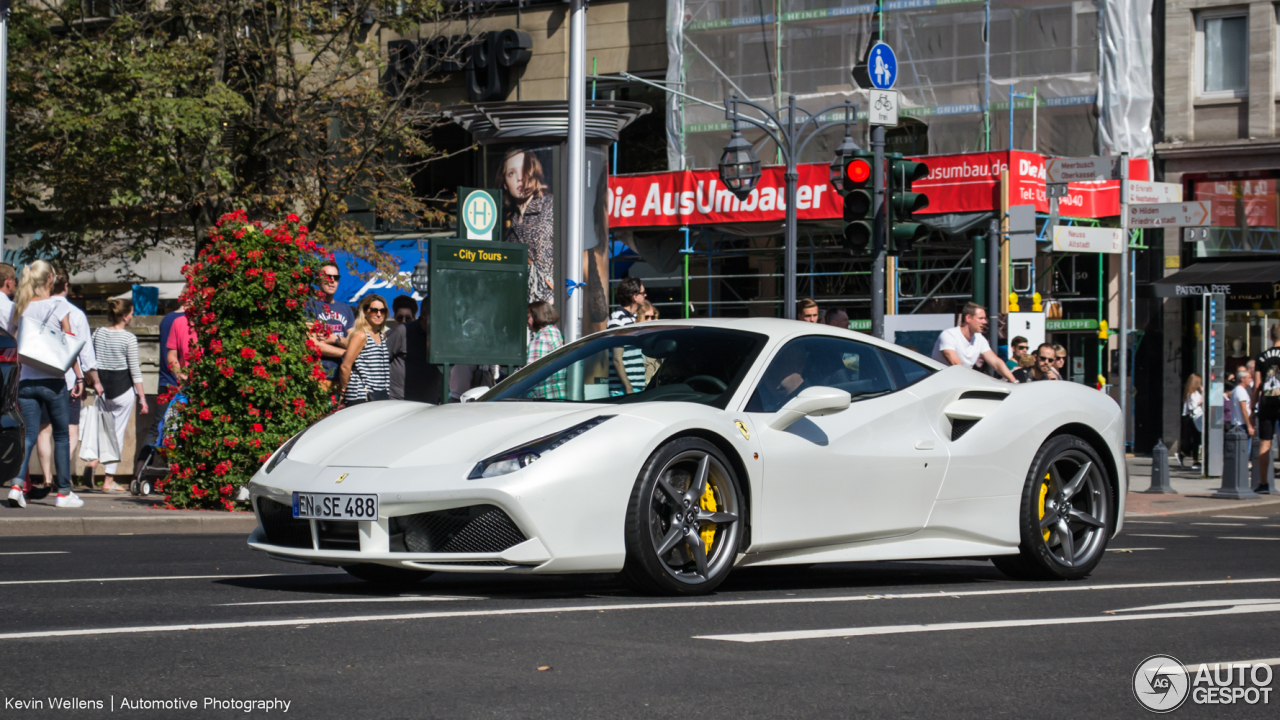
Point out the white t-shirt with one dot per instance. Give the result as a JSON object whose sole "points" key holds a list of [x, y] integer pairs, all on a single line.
{"points": [[79, 328], [1238, 396], [6, 309], [969, 350], [50, 312]]}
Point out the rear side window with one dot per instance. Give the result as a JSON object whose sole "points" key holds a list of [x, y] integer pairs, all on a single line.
{"points": [[905, 371]]}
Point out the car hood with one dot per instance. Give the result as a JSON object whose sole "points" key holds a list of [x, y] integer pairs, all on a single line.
{"points": [[399, 434]]}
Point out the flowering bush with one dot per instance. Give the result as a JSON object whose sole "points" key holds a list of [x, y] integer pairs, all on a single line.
{"points": [[255, 378]]}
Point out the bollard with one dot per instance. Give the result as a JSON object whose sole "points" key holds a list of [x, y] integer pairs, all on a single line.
{"points": [[1160, 470], [1235, 466]]}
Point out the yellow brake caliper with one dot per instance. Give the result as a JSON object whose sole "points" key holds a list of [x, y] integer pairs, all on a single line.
{"points": [[708, 503], [1044, 490]]}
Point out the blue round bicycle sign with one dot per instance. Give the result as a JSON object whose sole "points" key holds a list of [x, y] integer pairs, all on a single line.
{"points": [[882, 65]]}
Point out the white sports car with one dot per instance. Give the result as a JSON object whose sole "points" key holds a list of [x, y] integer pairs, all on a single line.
{"points": [[676, 451]]}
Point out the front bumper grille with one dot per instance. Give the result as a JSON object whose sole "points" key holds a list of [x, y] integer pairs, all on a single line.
{"points": [[338, 534], [474, 529], [281, 527]]}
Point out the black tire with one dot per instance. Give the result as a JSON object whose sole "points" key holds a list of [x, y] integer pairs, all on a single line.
{"points": [[1086, 514], [134, 487], [386, 575], [667, 508]]}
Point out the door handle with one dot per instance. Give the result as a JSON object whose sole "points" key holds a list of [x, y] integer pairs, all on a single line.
{"points": [[924, 444]]}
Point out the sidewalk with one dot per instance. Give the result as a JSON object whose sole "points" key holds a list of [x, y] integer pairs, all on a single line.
{"points": [[1192, 493], [116, 514]]}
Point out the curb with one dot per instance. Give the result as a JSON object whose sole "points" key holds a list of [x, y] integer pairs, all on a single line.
{"points": [[1209, 511], [133, 525]]}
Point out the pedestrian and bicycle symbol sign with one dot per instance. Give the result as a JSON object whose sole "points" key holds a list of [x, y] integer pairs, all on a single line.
{"points": [[882, 64], [478, 213]]}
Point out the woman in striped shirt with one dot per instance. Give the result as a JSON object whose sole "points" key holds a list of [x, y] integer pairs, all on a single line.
{"points": [[120, 375], [366, 368]]}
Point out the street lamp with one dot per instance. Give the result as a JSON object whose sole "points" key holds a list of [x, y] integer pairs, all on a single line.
{"points": [[421, 278], [740, 168], [846, 149]]}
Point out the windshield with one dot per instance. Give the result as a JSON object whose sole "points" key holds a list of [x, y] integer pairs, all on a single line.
{"points": [[639, 363]]}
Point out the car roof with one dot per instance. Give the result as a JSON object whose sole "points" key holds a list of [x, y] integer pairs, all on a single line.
{"points": [[778, 330]]}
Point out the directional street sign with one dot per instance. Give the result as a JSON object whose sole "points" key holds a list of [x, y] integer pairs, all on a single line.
{"points": [[884, 107], [1087, 239], [1086, 169], [883, 66], [1154, 192], [1182, 214]]}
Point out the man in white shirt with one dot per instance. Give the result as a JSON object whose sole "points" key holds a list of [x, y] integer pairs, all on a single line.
{"points": [[1242, 401], [8, 286], [965, 343]]}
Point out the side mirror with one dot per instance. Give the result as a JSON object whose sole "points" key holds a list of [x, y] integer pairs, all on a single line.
{"points": [[473, 394], [814, 401]]}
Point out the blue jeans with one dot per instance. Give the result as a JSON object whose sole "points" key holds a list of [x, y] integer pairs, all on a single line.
{"points": [[52, 396]]}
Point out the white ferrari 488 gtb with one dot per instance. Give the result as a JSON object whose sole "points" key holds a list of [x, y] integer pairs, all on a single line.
{"points": [[673, 452]]}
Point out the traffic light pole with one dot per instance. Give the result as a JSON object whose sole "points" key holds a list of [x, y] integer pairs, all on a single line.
{"points": [[993, 283], [879, 235]]}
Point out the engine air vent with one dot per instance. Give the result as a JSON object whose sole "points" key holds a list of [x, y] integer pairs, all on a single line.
{"points": [[960, 426], [474, 529], [983, 395], [281, 527]]}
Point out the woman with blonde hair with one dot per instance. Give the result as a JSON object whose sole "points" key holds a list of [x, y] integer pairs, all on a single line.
{"points": [[121, 378], [38, 388], [1192, 421], [365, 374]]}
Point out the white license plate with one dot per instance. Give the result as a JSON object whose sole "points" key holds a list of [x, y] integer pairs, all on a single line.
{"points": [[325, 506]]}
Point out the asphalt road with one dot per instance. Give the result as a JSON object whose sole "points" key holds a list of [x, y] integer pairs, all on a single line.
{"points": [[194, 617]]}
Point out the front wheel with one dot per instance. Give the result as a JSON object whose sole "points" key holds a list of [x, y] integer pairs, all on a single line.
{"points": [[1065, 514], [684, 520]]}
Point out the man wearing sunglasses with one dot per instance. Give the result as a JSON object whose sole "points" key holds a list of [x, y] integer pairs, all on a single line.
{"points": [[1017, 348], [337, 316], [1044, 368]]}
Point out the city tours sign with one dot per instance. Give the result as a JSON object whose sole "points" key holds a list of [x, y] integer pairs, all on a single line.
{"points": [[1067, 238]]}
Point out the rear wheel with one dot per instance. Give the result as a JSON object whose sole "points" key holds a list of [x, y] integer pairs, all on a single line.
{"points": [[386, 575], [684, 521], [1065, 515]]}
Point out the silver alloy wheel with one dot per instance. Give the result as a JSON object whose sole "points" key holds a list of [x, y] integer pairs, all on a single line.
{"points": [[1074, 508], [681, 509]]}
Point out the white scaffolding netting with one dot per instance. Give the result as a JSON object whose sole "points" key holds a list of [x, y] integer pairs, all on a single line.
{"points": [[768, 49]]}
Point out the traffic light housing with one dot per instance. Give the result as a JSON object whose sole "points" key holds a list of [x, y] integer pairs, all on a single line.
{"points": [[903, 233], [859, 211]]}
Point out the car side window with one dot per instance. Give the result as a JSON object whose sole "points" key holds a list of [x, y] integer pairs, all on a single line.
{"points": [[905, 371], [820, 361]]}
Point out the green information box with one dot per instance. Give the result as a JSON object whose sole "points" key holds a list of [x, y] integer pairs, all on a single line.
{"points": [[479, 302]]}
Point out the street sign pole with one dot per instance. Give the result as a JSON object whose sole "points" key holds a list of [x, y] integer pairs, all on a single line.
{"points": [[577, 163], [880, 228], [4, 112], [1124, 294]]}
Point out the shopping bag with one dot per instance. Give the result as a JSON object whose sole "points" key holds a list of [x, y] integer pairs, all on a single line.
{"points": [[89, 432], [108, 444], [47, 347]]}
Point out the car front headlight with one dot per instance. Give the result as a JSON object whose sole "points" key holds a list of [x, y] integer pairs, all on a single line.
{"points": [[279, 455], [524, 455]]}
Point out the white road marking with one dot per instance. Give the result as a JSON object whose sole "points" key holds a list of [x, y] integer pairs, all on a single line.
{"points": [[1241, 517], [293, 622], [411, 598], [1224, 537], [161, 577], [1150, 535], [1242, 607], [1196, 668], [1198, 605], [1220, 524], [39, 552], [1124, 550]]}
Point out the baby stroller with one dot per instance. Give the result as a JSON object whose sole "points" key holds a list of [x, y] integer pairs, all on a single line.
{"points": [[151, 464]]}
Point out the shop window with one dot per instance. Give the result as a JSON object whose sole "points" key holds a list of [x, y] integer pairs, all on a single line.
{"points": [[1222, 49]]}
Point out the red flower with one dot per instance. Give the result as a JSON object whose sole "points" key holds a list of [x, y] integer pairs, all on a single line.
{"points": [[206, 414], [275, 359], [248, 353], [291, 304], [257, 427], [293, 218], [253, 411], [198, 491], [227, 489]]}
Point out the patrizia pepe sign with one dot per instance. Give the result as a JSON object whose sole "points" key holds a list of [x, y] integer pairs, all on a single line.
{"points": [[487, 60]]}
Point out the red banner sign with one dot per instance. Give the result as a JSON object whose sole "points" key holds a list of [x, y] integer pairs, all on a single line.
{"points": [[956, 183]]}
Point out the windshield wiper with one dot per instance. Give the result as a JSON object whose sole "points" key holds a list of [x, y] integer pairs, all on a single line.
{"points": [[868, 396]]}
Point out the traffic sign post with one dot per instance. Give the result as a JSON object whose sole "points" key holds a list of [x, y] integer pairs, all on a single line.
{"points": [[1147, 193], [1086, 169], [1194, 213], [1067, 238]]}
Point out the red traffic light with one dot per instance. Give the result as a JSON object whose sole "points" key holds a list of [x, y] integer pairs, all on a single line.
{"points": [[858, 171]]}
